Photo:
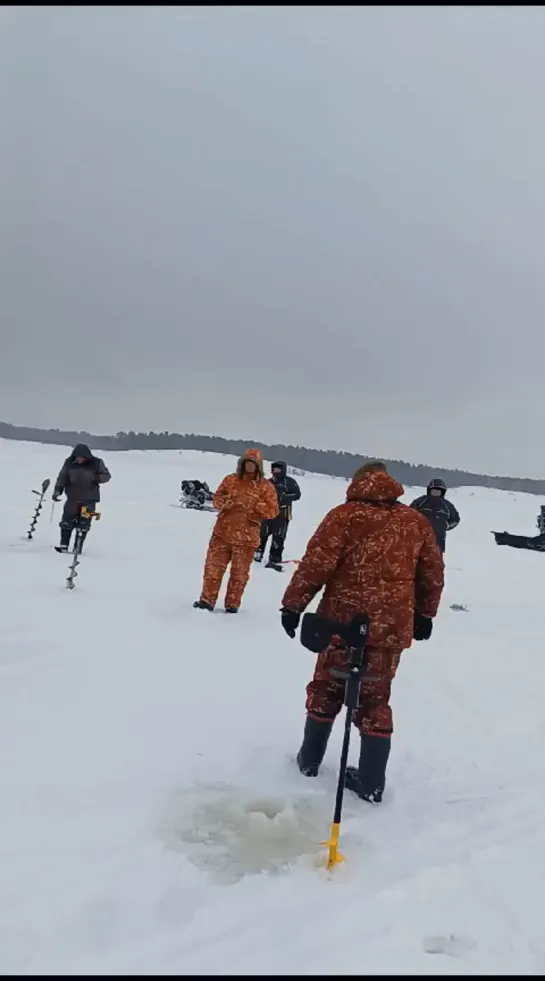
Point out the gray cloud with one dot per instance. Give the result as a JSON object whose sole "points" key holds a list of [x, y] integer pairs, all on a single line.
{"points": [[316, 225]]}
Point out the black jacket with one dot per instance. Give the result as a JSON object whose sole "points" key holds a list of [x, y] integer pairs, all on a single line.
{"points": [[441, 514], [81, 480], [287, 491]]}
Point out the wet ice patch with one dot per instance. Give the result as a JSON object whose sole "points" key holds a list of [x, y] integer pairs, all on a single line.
{"points": [[231, 832]]}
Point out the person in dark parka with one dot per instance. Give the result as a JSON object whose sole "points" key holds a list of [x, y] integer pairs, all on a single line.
{"points": [[79, 478], [441, 514], [287, 492]]}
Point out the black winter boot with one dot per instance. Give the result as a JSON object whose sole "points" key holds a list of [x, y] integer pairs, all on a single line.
{"points": [[202, 605], [66, 534], [368, 780], [315, 740]]}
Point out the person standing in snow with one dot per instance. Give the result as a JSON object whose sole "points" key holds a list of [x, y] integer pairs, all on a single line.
{"points": [[244, 499], [441, 514], [287, 491], [80, 477], [377, 556]]}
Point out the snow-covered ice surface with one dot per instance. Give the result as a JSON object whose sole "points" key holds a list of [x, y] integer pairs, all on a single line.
{"points": [[152, 819]]}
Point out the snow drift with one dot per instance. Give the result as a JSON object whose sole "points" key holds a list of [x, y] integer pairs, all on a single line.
{"points": [[152, 818]]}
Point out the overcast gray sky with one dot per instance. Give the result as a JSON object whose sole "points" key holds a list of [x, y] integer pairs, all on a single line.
{"points": [[322, 226]]}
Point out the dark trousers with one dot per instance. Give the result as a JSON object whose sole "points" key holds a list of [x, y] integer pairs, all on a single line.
{"points": [[71, 512], [70, 517], [277, 530]]}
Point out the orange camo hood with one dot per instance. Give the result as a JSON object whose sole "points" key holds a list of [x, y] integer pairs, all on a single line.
{"points": [[255, 456], [375, 485]]}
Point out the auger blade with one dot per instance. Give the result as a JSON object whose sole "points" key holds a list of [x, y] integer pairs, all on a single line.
{"points": [[335, 857]]}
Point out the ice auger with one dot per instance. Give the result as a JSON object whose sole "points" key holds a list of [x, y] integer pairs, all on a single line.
{"points": [[39, 506], [82, 527]]}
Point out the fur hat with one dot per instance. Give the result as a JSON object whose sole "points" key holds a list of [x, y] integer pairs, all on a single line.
{"points": [[255, 456]]}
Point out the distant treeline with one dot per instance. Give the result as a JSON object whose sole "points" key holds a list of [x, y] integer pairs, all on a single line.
{"points": [[316, 461]]}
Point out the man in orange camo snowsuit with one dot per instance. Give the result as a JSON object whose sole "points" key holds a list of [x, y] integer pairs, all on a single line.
{"points": [[373, 555], [244, 499]]}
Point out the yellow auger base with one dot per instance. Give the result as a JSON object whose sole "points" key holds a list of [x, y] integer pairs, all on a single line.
{"points": [[334, 857]]}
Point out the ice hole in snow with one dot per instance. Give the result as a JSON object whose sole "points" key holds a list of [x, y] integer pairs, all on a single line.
{"points": [[231, 832]]}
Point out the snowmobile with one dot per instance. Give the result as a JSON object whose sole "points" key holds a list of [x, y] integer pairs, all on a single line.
{"points": [[196, 495], [535, 544]]}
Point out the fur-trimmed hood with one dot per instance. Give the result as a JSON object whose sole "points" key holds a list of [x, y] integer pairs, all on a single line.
{"points": [[255, 456]]}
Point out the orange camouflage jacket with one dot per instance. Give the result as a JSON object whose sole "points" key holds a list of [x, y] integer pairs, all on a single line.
{"points": [[372, 554], [243, 502]]}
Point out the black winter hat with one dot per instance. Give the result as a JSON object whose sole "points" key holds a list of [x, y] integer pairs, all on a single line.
{"points": [[437, 484]]}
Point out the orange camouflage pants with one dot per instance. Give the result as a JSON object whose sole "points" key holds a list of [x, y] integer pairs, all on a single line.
{"points": [[218, 557], [325, 695]]}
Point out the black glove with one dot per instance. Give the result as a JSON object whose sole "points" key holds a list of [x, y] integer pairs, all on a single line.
{"points": [[290, 622], [422, 627], [57, 496]]}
